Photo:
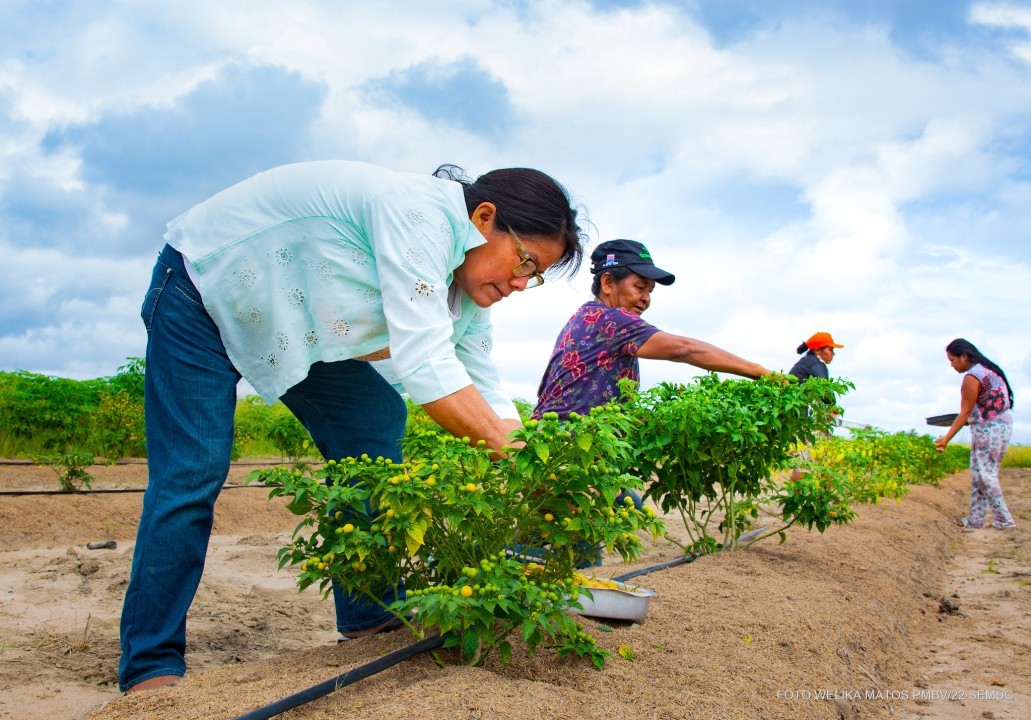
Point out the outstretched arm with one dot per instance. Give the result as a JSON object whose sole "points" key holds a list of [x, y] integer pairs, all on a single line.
{"points": [[667, 346], [467, 414], [967, 397]]}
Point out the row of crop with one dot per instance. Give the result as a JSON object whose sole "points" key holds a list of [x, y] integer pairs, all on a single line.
{"points": [[70, 423], [75, 421], [713, 451], [455, 526], [44, 414]]}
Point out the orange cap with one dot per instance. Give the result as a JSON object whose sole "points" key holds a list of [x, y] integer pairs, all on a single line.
{"points": [[821, 340]]}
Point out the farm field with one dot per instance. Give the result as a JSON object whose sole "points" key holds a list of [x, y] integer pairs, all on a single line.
{"points": [[854, 613]]}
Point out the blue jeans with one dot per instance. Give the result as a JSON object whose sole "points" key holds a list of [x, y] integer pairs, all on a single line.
{"points": [[190, 400], [628, 493]]}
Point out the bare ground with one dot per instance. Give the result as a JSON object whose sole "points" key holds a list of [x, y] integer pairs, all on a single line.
{"points": [[898, 615]]}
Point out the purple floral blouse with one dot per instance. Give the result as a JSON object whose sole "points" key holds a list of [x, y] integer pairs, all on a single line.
{"points": [[596, 348], [993, 399]]}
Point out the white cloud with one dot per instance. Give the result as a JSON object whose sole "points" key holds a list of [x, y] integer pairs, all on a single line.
{"points": [[1007, 16]]}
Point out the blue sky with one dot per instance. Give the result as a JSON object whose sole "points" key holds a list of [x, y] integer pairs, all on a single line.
{"points": [[861, 167]]}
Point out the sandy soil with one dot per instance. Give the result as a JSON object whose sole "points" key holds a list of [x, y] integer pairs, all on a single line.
{"points": [[899, 615]]}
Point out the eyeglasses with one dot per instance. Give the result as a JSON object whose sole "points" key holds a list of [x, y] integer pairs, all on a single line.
{"points": [[527, 268]]}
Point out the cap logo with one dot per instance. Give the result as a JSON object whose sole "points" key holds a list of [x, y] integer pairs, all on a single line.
{"points": [[610, 260]]}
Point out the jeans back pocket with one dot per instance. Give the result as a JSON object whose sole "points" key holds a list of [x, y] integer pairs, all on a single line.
{"points": [[158, 280]]}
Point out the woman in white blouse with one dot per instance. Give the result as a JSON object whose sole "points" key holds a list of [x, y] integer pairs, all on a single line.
{"points": [[296, 279]]}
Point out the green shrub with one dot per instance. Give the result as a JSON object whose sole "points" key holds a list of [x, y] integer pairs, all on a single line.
{"points": [[251, 423], [447, 522], [884, 460], [1017, 456], [47, 412], [712, 447], [524, 408], [41, 414], [288, 436], [70, 469], [419, 422], [118, 428]]}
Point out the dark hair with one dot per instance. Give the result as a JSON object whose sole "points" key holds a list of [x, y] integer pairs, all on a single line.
{"points": [[801, 349], [617, 273], [528, 202], [959, 346]]}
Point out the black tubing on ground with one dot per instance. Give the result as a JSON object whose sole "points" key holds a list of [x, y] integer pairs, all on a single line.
{"points": [[661, 566], [143, 461], [102, 491], [678, 561], [359, 673], [398, 656]]}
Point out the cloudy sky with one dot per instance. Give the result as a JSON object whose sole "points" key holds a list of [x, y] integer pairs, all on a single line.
{"points": [[856, 166]]}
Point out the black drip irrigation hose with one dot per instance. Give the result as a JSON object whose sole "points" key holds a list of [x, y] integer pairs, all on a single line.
{"points": [[234, 463], [684, 559], [398, 656], [359, 673], [108, 490], [680, 560]]}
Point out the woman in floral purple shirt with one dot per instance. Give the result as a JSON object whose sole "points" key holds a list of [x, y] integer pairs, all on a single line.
{"points": [[985, 400], [603, 340]]}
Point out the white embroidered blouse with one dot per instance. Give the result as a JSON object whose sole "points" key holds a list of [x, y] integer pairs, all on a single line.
{"points": [[334, 260]]}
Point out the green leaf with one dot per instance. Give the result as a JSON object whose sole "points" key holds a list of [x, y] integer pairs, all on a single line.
{"points": [[301, 504], [584, 441], [504, 652], [626, 652], [542, 452], [415, 535], [470, 644], [531, 635]]}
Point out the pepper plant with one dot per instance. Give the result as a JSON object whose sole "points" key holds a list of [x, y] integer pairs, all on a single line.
{"points": [[70, 468], [712, 447], [486, 548], [870, 465], [879, 458]]}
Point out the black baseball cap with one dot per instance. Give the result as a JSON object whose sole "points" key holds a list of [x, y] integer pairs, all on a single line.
{"points": [[629, 254]]}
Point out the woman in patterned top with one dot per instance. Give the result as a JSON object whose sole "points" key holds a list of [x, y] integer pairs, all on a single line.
{"points": [[296, 279], [986, 401], [603, 340]]}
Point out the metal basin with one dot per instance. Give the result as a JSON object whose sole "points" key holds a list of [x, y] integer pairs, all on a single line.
{"points": [[624, 602]]}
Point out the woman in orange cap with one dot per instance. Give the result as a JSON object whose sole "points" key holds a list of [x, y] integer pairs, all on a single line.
{"points": [[819, 352]]}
